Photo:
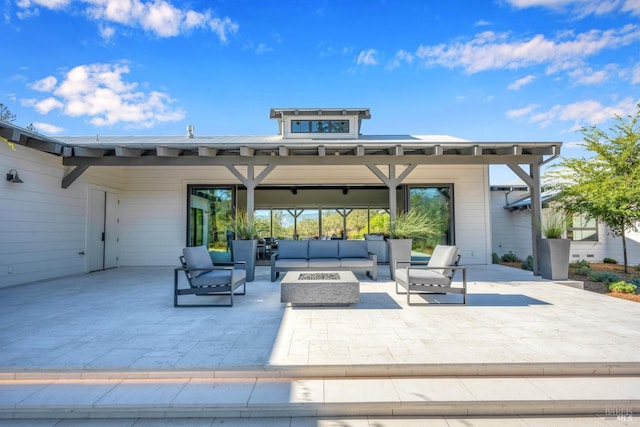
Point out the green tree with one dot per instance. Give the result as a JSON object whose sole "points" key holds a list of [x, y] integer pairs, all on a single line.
{"points": [[6, 116], [606, 186]]}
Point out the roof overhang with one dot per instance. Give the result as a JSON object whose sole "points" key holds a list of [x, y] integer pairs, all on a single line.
{"points": [[86, 151]]}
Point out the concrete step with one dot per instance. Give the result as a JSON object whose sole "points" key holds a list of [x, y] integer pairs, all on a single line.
{"points": [[199, 397]]}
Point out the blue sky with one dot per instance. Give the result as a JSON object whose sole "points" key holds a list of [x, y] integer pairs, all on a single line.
{"points": [[493, 70]]}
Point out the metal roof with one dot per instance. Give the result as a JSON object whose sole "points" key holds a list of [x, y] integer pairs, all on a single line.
{"points": [[98, 150]]}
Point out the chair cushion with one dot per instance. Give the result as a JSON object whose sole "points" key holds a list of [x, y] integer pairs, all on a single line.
{"points": [[352, 249], [323, 249], [211, 278], [197, 257], [238, 275], [422, 276], [293, 249], [443, 256]]}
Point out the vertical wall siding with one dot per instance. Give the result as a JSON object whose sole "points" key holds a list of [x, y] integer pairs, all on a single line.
{"points": [[511, 232], [43, 226]]}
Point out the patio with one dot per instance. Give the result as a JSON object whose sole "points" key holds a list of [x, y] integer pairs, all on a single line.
{"points": [[120, 324], [123, 319]]}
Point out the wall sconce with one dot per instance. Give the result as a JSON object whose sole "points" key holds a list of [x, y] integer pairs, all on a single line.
{"points": [[345, 190], [294, 190], [12, 176]]}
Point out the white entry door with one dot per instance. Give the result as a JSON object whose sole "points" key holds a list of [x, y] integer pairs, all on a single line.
{"points": [[102, 239]]}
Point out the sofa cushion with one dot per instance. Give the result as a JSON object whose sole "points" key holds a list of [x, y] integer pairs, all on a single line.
{"points": [[352, 249], [323, 249], [291, 263], [293, 249], [355, 263], [324, 263]]}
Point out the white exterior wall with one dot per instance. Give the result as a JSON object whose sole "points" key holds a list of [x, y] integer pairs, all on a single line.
{"points": [[43, 226], [153, 208], [511, 231]]}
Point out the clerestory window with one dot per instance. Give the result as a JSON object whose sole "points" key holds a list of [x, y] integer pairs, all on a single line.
{"points": [[320, 126]]}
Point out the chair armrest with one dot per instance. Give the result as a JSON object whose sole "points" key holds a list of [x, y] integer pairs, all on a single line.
{"points": [[409, 263], [204, 270], [241, 264]]}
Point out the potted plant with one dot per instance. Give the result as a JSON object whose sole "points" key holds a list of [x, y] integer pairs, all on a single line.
{"points": [[401, 232], [553, 249], [244, 246]]}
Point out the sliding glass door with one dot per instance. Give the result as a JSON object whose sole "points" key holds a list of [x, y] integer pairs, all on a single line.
{"points": [[209, 208]]}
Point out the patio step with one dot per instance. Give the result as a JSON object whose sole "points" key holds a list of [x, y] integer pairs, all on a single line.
{"points": [[233, 397]]}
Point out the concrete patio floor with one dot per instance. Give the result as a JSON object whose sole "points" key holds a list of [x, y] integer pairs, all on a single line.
{"points": [[562, 347], [123, 319]]}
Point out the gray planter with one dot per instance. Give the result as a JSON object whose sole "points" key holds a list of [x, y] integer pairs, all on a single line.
{"points": [[553, 258], [245, 250], [399, 250]]}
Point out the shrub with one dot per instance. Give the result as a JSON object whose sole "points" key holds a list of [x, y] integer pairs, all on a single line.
{"points": [[605, 277], [510, 257], [635, 281], [495, 258], [637, 267], [609, 261], [583, 271], [581, 263], [623, 287], [527, 264]]}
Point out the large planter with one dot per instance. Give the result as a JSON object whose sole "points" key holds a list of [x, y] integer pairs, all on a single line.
{"points": [[399, 250], [245, 250], [553, 258]]}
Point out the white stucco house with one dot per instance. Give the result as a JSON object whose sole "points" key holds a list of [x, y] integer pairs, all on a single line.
{"points": [[590, 239], [89, 203]]}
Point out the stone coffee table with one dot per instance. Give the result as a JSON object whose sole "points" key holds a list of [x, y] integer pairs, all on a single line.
{"points": [[309, 288]]}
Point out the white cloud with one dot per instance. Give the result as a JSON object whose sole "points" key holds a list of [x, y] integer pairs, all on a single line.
{"points": [[587, 76], [44, 85], [367, 57], [106, 32], [401, 56], [47, 105], [583, 113], [263, 48], [99, 93], [47, 128], [491, 51], [159, 17], [635, 74], [49, 4], [521, 82], [513, 114], [582, 8]]}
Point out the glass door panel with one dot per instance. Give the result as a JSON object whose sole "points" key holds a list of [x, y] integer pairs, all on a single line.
{"points": [[436, 202], [209, 209]]}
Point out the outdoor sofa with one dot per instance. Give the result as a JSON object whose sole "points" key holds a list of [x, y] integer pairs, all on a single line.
{"points": [[323, 255]]}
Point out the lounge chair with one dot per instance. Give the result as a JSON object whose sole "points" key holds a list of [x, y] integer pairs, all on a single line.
{"points": [[205, 278], [433, 276]]}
